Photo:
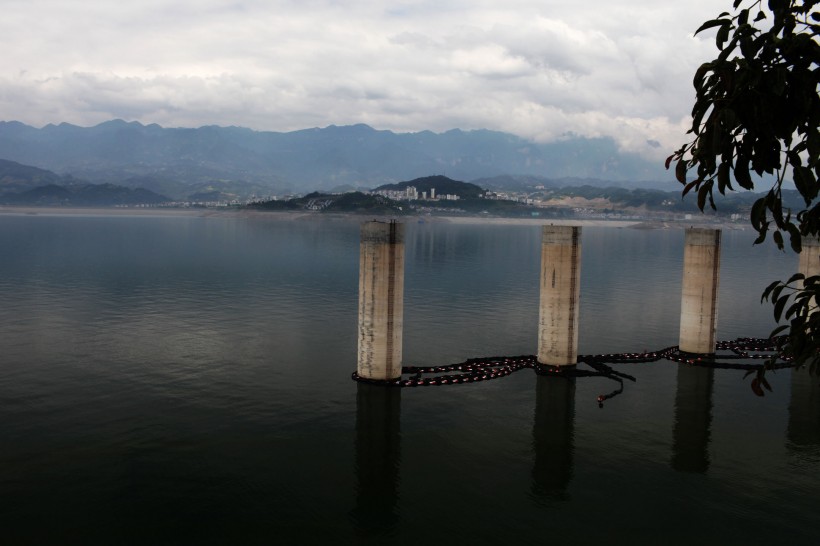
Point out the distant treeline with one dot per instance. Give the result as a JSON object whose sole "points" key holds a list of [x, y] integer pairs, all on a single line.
{"points": [[657, 200]]}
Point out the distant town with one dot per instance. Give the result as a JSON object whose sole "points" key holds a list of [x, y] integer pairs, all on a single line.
{"points": [[420, 197]]}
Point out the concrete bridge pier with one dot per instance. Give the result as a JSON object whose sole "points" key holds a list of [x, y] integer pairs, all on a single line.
{"points": [[809, 262], [381, 300], [701, 273], [810, 257], [560, 295]]}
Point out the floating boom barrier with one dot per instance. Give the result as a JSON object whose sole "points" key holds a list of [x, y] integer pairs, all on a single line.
{"points": [[728, 355]]}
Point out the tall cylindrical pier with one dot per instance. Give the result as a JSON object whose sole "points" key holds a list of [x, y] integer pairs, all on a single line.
{"points": [[381, 300], [701, 272], [560, 295], [810, 256]]}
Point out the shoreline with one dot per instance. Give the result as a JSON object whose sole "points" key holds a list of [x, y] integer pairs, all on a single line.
{"points": [[103, 211], [647, 223]]}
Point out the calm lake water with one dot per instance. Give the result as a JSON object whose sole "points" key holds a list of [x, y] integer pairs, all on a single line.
{"points": [[186, 380]]}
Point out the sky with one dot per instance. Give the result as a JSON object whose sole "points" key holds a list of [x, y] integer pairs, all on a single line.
{"points": [[542, 70]]}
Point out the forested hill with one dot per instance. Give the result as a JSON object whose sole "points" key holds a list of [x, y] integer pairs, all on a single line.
{"points": [[15, 177], [441, 184], [27, 185], [653, 200]]}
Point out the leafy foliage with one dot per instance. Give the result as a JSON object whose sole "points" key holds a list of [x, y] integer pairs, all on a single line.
{"points": [[803, 329], [755, 118]]}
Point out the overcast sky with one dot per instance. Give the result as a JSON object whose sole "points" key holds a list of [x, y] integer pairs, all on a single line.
{"points": [[538, 69]]}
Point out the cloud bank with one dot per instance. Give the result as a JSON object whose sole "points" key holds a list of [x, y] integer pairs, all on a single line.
{"points": [[537, 69]]}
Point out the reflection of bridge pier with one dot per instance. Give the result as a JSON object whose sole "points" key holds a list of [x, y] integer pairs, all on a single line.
{"points": [[803, 429], [804, 407], [553, 435], [378, 452], [693, 419]]}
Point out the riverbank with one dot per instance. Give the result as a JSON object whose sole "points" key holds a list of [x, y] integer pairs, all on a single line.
{"points": [[305, 215], [110, 211]]}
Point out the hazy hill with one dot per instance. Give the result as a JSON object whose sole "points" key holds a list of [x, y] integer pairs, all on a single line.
{"points": [[16, 177], [26, 185], [94, 195], [312, 159], [529, 183]]}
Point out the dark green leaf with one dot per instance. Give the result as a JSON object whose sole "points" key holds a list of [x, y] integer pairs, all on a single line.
{"points": [[795, 240], [758, 216], [723, 177], [711, 24], [793, 310], [688, 187], [703, 192], [781, 328], [769, 290], [722, 35], [680, 171], [779, 305], [794, 278], [778, 239], [806, 183], [742, 174], [776, 206], [776, 292]]}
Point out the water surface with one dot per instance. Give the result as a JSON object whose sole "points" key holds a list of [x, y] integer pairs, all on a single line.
{"points": [[187, 380]]}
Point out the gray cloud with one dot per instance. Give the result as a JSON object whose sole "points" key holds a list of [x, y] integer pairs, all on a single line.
{"points": [[538, 69]]}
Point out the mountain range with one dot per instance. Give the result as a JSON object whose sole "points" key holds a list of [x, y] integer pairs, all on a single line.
{"points": [[238, 162]]}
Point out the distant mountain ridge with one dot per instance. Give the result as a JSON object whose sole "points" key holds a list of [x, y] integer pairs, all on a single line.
{"points": [[171, 160]]}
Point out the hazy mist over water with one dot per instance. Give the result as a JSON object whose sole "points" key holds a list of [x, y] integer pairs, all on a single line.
{"points": [[187, 380]]}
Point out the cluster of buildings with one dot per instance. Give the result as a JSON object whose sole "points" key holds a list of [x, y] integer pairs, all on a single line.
{"points": [[198, 203], [510, 196], [411, 193]]}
